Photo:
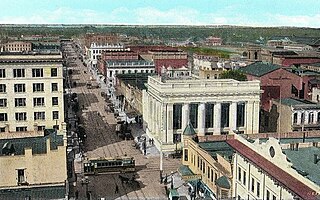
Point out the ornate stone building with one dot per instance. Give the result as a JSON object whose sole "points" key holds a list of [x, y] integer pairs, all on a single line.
{"points": [[212, 107]]}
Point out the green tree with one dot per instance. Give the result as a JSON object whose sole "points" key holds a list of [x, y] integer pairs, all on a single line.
{"points": [[233, 74]]}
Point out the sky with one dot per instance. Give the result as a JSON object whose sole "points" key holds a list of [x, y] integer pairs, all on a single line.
{"points": [[299, 13]]}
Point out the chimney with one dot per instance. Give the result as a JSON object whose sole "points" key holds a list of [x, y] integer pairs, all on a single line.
{"points": [[316, 159]]}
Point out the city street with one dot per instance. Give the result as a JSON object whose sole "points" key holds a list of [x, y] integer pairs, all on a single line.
{"points": [[102, 141]]}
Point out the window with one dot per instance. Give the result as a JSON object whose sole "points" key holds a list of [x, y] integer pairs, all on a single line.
{"points": [[204, 167], [310, 118], [211, 175], [2, 129], [198, 162], [268, 195], [186, 155], [3, 103], [258, 189], [2, 73], [129, 71], [55, 114], [252, 184], [54, 72], [20, 102], [55, 101], [209, 115], [18, 73], [3, 117], [177, 116], [41, 128], [54, 87], [21, 178], [3, 88], [193, 115], [38, 87], [37, 72], [239, 174], [225, 115], [240, 114], [39, 116], [39, 101], [244, 178], [274, 197], [21, 128], [295, 118], [19, 88], [21, 116], [56, 127], [208, 172]]}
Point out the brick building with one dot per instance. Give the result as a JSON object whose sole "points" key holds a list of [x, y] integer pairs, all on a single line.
{"points": [[115, 56], [101, 39]]}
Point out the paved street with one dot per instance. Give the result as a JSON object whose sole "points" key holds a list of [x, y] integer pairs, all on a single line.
{"points": [[103, 142]]}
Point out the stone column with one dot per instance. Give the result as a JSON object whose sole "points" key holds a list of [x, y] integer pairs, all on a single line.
{"points": [[299, 117], [315, 117], [306, 117], [185, 116], [163, 134], [233, 117], [256, 111], [217, 118], [169, 138], [201, 119], [249, 117]]}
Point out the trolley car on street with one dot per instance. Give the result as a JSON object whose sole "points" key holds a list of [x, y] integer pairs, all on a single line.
{"points": [[105, 165]]}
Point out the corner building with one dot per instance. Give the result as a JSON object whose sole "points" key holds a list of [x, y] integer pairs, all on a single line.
{"points": [[213, 107], [31, 93]]}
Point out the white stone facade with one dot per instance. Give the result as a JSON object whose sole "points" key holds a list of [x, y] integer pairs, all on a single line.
{"points": [[125, 67], [95, 50], [31, 93], [170, 105], [252, 182]]}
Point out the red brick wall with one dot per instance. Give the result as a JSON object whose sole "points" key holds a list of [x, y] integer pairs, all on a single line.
{"points": [[287, 62], [120, 55]]}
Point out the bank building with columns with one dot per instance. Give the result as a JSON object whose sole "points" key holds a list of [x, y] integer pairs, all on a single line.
{"points": [[211, 106]]}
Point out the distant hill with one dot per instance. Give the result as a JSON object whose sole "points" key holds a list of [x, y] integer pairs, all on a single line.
{"points": [[229, 34]]}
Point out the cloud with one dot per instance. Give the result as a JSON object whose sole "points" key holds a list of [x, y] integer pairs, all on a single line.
{"points": [[153, 16]]}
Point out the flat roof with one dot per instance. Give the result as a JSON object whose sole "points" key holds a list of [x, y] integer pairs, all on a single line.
{"points": [[38, 144], [303, 161], [283, 177], [218, 147], [135, 79]]}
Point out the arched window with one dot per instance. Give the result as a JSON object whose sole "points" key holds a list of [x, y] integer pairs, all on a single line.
{"points": [[310, 118], [295, 118]]}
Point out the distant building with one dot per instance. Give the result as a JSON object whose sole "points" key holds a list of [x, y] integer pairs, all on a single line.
{"points": [[211, 106], [295, 115], [17, 46], [95, 51], [298, 47], [167, 58], [101, 39], [124, 55], [130, 86], [213, 41], [113, 68]]}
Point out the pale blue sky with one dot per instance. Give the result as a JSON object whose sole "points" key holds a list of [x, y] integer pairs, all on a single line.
{"points": [[302, 13]]}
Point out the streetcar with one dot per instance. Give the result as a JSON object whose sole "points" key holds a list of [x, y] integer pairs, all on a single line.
{"points": [[104, 165]]}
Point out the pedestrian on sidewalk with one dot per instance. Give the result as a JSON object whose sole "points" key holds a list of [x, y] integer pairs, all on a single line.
{"points": [[116, 190], [149, 141]]}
